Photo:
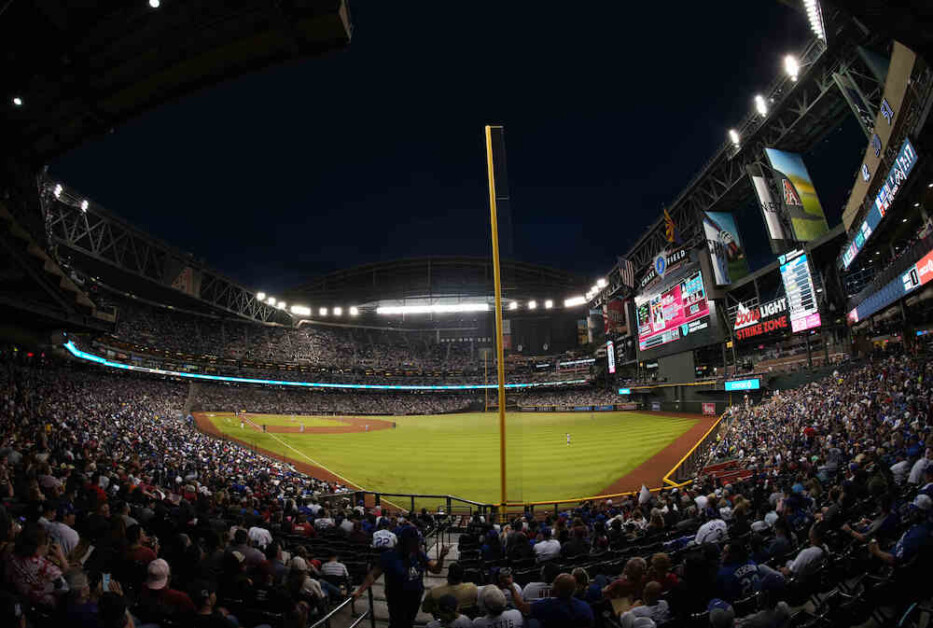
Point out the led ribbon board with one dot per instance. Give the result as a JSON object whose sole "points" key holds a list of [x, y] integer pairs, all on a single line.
{"points": [[743, 384], [90, 357]]}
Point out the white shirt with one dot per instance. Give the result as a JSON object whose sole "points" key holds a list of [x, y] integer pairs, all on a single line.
{"points": [[462, 621], [323, 523], [659, 613], [259, 536], [916, 472], [807, 561], [384, 539], [335, 568], [546, 550], [536, 591], [713, 531], [347, 526], [63, 535], [508, 619], [899, 470]]}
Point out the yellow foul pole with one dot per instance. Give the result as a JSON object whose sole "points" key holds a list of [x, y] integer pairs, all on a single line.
{"points": [[498, 283]]}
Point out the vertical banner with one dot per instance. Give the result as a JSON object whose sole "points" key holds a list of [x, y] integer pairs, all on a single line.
{"points": [[614, 317], [725, 247], [611, 356], [582, 335], [507, 334], [798, 194], [772, 211]]}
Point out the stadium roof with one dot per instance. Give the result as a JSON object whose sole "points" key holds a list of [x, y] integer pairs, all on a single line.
{"points": [[74, 69], [438, 277]]}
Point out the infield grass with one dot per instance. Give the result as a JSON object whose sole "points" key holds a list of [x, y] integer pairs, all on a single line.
{"points": [[458, 454]]}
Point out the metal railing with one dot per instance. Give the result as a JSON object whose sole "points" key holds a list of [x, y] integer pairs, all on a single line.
{"points": [[324, 622]]}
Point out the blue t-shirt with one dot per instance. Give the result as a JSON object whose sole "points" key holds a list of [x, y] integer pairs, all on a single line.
{"points": [[738, 580], [403, 574], [911, 542], [553, 612]]}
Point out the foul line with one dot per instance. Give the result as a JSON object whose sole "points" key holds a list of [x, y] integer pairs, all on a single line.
{"points": [[318, 464]]}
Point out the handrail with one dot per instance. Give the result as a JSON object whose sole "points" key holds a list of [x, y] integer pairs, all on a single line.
{"points": [[326, 618]]}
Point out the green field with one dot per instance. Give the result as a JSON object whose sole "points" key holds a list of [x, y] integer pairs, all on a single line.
{"points": [[458, 454], [228, 419]]}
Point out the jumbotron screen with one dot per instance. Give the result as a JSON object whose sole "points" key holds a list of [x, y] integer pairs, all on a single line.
{"points": [[672, 312]]}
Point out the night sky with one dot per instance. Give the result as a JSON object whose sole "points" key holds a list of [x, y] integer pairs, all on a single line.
{"points": [[377, 152]]}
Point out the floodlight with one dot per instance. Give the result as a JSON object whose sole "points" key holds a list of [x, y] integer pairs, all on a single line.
{"points": [[155, 3], [261, 296], [17, 101], [532, 305], [58, 190], [513, 305], [432, 309], [301, 310], [792, 67], [271, 300], [338, 311], [322, 311], [353, 310], [280, 305], [84, 205], [815, 15], [574, 301], [761, 106], [601, 283], [548, 304], [734, 136]]}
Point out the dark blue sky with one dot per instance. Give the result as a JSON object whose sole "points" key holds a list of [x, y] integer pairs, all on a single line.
{"points": [[377, 153]]}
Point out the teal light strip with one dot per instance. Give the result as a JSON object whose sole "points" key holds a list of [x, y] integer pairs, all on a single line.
{"points": [[90, 357]]}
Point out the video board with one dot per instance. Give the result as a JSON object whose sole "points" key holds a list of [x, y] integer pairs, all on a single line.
{"points": [[914, 277], [672, 310], [801, 296]]}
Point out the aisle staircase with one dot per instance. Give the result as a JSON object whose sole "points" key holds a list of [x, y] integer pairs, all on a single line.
{"points": [[345, 618]]}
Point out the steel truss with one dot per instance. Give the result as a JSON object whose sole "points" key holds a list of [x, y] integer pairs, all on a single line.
{"points": [[95, 233], [800, 113]]}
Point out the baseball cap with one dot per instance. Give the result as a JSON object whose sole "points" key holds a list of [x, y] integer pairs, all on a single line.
{"points": [[158, 572], [922, 502], [298, 564], [316, 563]]}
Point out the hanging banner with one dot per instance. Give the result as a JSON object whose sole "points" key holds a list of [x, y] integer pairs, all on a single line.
{"points": [[798, 195], [775, 222], [725, 247]]}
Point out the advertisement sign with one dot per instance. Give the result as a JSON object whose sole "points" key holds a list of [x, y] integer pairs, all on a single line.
{"points": [[666, 262], [656, 406], [611, 356], [625, 391], [743, 384], [725, 247], [903, 165], [614, 317], [673, 312], [765, 319], [709, 409], [798, 194], [916, 276], [801, 296], [778, 228]]}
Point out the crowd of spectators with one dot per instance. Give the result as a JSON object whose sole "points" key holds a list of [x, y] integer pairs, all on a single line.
{"points": [[818, 514], [348, 354], [268, 400]]}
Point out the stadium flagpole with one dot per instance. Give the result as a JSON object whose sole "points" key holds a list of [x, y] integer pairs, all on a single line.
{"points": [[494, 219]]}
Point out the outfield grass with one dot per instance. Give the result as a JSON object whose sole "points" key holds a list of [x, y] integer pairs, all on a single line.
{"points": [[459, 454], [277, 420]]}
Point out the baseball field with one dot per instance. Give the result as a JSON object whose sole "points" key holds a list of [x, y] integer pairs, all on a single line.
{"points": [[458, 454]]}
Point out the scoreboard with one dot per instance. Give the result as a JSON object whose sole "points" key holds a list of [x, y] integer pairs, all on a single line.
{"points": [[801, 296]]}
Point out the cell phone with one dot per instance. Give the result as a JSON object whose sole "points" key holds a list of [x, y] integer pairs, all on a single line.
{"points": [[105, 582]]}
